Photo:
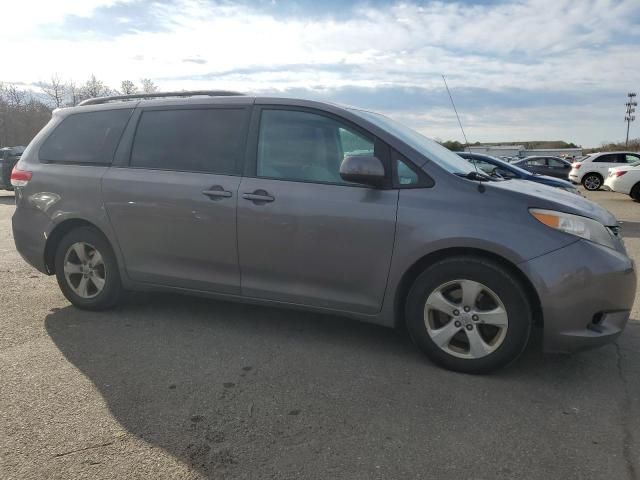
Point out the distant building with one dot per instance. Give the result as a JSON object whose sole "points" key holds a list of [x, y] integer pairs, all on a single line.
{"points": [[521, 152], [498, 150]]}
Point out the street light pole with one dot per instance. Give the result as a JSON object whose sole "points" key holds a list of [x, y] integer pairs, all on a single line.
{"points": [[629, 117]]}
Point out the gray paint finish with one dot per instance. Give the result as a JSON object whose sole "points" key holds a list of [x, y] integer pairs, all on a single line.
{"points": [[341, 249]]}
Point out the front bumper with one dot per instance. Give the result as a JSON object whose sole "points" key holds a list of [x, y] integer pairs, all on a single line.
{"points": [[586, 293]]}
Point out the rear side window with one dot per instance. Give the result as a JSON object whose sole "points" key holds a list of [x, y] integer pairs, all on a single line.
{"points": [[86, 138], [196, 140], [614, 158]]}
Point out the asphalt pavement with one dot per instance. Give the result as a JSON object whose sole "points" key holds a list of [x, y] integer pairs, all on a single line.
{"points": [[179, 387]]}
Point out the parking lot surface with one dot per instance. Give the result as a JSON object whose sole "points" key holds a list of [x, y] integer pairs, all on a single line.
{"points": [[180, 387]]}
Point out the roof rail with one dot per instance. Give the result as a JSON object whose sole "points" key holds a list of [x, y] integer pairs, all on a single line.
{"points": [[137, 96]]}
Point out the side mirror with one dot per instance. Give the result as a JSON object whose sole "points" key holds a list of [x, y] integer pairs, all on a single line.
{"points": [[364, 169]]}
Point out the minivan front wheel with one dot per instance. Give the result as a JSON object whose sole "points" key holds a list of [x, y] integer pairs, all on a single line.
{"points": [[469, 314], [86, 270], [592, 181]]}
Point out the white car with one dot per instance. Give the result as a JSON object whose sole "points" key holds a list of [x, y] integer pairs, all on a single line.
{"points": [[592, 170], [625, 180]]}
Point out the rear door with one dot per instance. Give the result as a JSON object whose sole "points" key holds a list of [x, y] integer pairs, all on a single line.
{"points": [[172, 201], [603, 163], [305, 236]]}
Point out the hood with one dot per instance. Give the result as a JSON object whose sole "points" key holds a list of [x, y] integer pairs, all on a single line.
{"points": [[538, 195]]}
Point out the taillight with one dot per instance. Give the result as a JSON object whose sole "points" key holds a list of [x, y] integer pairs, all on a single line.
{"points": [[619, 174], [20, 178], [576, 165]]}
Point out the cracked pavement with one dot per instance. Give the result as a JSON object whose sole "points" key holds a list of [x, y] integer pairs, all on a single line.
{"points": [[181, 387]]}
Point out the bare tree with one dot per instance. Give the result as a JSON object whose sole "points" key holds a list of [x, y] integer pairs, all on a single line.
{"points": [[55, 90], [94, 88], [73, 93], [148, 86], [128, 87], [15, 96]]}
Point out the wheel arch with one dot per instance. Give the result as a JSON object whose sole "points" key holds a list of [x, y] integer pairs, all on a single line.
{"points": [[429, 259], [58, 232]]}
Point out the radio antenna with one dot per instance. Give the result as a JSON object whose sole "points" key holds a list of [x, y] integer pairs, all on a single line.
{"points": [[466, 142]]}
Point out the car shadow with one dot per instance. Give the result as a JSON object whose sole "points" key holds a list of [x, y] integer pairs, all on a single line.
{"points": [[225, 387]]}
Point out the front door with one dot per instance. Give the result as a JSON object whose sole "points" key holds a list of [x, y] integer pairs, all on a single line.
{"points": [[173, 208], [305, 236]]}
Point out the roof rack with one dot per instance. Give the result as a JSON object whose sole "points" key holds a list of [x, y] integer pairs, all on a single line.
{"points": [[136, 96]]}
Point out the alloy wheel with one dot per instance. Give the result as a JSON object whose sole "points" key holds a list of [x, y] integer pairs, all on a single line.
{"points": [[84, 270], [466, 319], [592, 182]]}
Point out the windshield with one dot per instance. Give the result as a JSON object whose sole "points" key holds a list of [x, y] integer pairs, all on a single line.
{"points": [[430, 149], [502, 164]]}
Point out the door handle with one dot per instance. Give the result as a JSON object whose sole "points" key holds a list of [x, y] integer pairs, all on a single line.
{"points": [[216, 192], [259, 196]]}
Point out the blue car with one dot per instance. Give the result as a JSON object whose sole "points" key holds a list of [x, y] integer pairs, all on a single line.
{"points": [[499, 168]]}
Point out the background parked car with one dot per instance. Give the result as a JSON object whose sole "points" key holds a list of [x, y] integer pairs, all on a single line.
{"points": [[9, 156], [625, 180], [593, 169], [495, 166], [551, 166]]}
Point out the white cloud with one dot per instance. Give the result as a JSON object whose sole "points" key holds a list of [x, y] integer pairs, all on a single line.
{"points": [[535, 45]]}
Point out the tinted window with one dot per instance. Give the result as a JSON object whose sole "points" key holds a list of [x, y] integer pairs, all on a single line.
{"points": [[536, 162], [90, 137], [554, 162], [616, 158], [305, 146], [196, 140]]}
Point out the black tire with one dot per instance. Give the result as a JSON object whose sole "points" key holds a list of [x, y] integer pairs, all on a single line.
{"points": [[501, 282], [635, 192], [111, 293], [593, 180]]}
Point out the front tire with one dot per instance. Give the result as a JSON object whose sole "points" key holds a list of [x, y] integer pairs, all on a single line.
{"points": [[592, 182], [469, 314], [87, 270]]}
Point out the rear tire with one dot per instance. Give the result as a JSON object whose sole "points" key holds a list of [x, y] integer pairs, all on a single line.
{"points": [[87, 270], [489, 318], [635, 192], [592, 181]]}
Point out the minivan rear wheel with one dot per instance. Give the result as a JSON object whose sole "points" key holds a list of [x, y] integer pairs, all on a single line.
{"points": [[469, 314], [87, 270]]}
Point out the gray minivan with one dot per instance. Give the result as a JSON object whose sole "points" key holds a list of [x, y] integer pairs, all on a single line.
{"points": [[311, 205]]}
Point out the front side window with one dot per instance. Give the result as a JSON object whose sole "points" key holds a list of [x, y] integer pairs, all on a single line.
{"points": [[86, 138], [406, 175], [207, 140], [554, 162], [536, 162], [632, 159], [303, 146]]}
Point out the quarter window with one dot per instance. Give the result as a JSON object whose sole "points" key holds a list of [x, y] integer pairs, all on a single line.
{"points": [[194, 140], [305, 146], [86, 138]]}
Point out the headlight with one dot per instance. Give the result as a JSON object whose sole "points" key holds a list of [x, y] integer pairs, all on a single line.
{"points": [[582, 227]]}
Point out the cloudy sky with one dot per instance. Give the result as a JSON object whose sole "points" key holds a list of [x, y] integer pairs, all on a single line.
{"points": [[518, 70]]}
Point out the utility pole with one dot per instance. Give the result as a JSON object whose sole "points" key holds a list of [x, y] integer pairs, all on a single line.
{"points": [[629, 116]]}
